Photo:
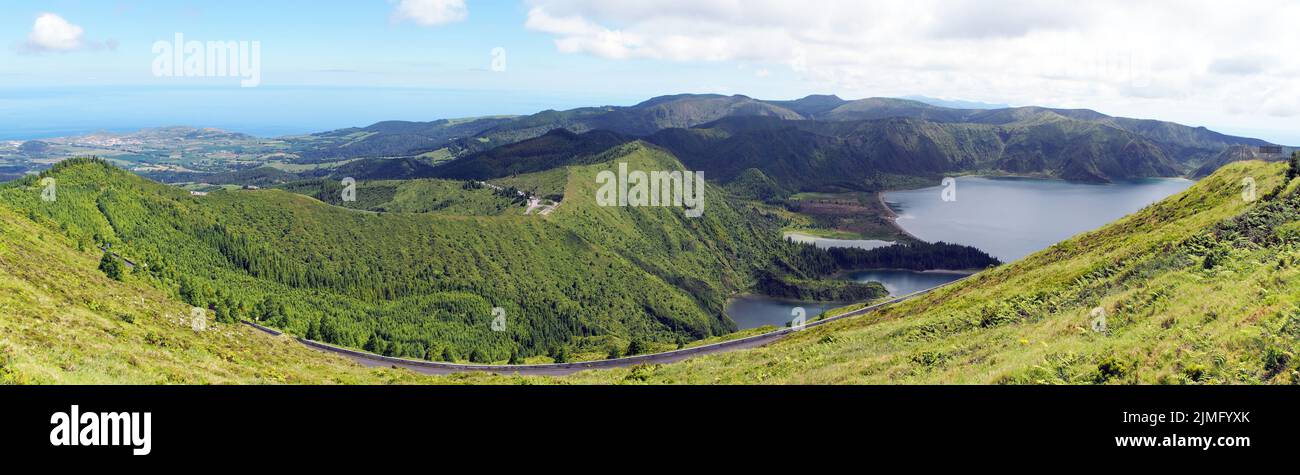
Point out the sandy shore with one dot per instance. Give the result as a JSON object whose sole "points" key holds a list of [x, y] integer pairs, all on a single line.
{"points": [[892, 217]]}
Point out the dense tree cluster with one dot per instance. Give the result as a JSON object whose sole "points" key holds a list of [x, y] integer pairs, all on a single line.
{"points": [[783, 286], [408, 285], [112, 266], [914, 256]]}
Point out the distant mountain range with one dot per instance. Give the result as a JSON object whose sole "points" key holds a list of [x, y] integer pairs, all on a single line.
{"points": [[817, 142]]}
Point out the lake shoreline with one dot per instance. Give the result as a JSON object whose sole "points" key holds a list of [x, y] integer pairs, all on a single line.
{"points": [[842, 272], [753, 309], [892, 217]]}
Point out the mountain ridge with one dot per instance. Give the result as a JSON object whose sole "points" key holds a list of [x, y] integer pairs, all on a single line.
{"points": [[1075, 144]]}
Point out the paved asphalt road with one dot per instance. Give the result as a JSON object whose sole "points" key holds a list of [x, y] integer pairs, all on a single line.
{"points": [[561, 369]]}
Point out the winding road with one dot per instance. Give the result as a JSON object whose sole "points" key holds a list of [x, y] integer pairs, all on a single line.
{"points": [[561, 369]]}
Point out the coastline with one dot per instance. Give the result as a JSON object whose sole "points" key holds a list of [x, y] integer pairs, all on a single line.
{"points": [[892, 217], [842, 273]]}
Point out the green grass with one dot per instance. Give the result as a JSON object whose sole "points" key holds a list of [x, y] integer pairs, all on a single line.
{"points": [[825, 233], [849, 215], [449, 197]]}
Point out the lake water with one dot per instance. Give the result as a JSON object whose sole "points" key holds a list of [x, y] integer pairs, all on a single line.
{"points": [[1014, 217], [1007, 217], [753, 311], [901, 282]]}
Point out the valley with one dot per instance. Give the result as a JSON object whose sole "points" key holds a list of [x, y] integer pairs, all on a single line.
{"points": [[1170, 281], [355, 279], [496, 247]]}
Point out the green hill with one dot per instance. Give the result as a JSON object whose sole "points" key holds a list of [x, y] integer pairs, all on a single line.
{"points": [[1197, 289], [877, 154], [62, 321], [898, 144], [423, 284], [455, 197], [466, 136], [556, 148]]}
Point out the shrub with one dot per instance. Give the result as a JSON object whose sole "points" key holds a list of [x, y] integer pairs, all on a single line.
{"points": [[1275, 360], [1110, 369], [560, 354], [636, 347], [111, 266]]}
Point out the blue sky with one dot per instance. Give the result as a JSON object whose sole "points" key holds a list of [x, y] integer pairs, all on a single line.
{"points": [[328, 64]]}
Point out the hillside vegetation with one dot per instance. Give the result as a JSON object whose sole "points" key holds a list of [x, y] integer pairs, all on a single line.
{"points": [[62, 321], [1197, 289], [872, 155], [464, 198], [424, 285]]}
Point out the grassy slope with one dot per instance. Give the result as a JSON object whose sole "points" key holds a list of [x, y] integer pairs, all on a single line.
{"points": [[1170, 320], [63, 322], [411, 196]]}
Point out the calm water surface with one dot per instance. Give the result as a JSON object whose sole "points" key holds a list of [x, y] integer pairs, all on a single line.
{"points": [[753, 311], [1014, 217], [1007, 217], [901, 282]]}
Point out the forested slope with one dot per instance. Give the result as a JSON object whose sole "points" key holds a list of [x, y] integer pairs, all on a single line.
{"points": [[419, 284], [62, 321]]}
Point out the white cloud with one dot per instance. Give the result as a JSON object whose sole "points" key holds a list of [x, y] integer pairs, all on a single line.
{"points": [[51, 33], [1243, 65], [1006, 19], [430, 12], [1191, 60]]}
